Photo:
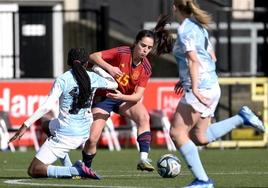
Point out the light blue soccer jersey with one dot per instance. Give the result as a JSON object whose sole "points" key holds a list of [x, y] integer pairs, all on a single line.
{"points": [[74, 121], [193, 37]]}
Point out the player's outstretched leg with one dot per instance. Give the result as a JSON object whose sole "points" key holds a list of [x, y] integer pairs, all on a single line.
{"points": [[86, 172], [251, 119]]}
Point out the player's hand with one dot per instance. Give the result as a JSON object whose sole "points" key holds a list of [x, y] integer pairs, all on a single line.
{"points": [[179, 89], [116, 94], [19, 133], [115, 72]]}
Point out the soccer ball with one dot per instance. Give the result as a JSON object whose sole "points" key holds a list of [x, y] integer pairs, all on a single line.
{"points": [[168, 166]]}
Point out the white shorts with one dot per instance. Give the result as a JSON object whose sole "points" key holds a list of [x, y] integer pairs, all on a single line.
{"points": [[57, 146], [212, 94]]}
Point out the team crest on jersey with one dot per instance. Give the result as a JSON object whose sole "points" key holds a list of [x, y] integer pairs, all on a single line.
{"points": [[135, 75]]}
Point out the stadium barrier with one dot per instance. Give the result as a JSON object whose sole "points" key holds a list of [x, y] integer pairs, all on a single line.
{"points": [[159, 95]]}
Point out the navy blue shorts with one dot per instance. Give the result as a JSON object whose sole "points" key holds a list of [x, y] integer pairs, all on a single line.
{"points": [[107, 104]]}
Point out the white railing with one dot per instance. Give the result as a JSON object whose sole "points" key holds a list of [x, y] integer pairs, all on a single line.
{"points": [[252, 39]]}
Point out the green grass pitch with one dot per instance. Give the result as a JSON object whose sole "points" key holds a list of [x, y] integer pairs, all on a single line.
{"points": [[238, 168]]}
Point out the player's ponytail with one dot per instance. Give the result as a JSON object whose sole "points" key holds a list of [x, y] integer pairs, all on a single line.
{"points": [[200, 15], [163, 38], [163, 41], [77, 58], [191, 8]]}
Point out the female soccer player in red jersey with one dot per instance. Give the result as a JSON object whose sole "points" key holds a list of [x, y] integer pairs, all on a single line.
{"points": [[131, 69]]}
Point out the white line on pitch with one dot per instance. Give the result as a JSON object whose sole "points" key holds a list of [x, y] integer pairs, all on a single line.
{"points": [[25, 182], [134, 173]]}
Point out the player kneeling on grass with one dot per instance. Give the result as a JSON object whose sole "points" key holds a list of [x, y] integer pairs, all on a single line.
{"points": [[74, 90]]}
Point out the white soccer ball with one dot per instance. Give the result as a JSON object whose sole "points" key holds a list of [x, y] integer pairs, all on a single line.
{"points": [[168, 166]]}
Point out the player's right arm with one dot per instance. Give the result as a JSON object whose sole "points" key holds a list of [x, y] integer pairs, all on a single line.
{"points": [[97, 59]]}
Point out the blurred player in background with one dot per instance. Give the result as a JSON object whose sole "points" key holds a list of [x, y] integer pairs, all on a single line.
{"points": [[198, 80], [74, 90], [131, 69]]}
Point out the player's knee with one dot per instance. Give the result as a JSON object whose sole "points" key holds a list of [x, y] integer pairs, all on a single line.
{"points": [[177, 136], [37, 170], [143, 119], [172, 134], [199, 139], [31, 171]]}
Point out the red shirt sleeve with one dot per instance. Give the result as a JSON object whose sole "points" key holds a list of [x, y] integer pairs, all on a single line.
{"points": [[110, 54]]}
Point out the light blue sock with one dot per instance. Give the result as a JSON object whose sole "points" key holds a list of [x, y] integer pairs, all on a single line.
{"points": [[61, 171], [190, 153], [66, 161], [219, 129]]}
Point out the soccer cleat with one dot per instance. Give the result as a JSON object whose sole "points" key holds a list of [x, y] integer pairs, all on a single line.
{"points": [[145, 165], [85, 172], [76, 177], [200, 184], [251, 119]]}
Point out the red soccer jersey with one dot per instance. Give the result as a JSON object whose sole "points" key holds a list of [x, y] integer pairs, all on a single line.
{"points": [[132, 75]]}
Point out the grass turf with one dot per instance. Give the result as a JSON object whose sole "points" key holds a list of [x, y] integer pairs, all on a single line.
{"points": [[238, 168]]}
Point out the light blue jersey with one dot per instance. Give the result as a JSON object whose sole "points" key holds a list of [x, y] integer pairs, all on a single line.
{"points": [[193, 37], [72, 120], [75, 121]]}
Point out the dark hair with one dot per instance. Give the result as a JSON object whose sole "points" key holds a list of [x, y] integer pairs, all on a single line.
{"points": [[77, 57], [162, 37]]}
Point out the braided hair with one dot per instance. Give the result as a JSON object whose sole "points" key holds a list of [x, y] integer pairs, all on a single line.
{"points": [[77, 58], [162, 37]]}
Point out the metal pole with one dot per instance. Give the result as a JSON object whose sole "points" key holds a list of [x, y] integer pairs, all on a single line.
{"points": [[104, 25], [14, 47], [229, 43], [229, 58], [265, 45]]}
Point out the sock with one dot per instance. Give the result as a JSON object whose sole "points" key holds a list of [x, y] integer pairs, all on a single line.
{"points": [[144, 141], [88, 158], [66, 161], [61, 171], [143, 155], [218, 129], [190, 153]]}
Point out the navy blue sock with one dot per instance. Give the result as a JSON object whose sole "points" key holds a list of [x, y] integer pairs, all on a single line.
{"points": [[144, 141], [87, 159]]}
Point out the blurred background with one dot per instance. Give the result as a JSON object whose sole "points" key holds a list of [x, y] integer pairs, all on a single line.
{"points": [[35, 37]]}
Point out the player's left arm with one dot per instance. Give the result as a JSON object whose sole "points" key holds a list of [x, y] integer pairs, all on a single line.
{"points": [[134, 97], [193, 64], [51, 100]]}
